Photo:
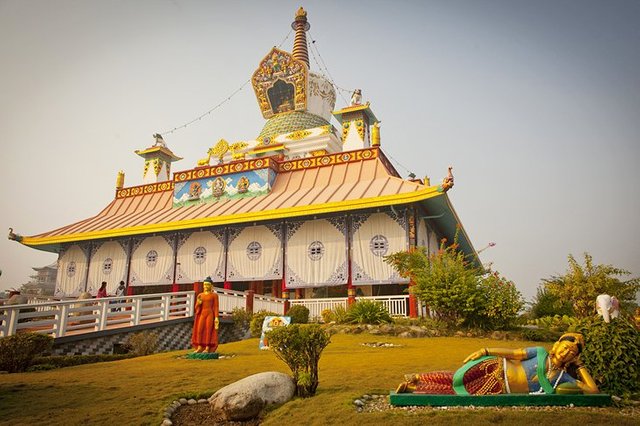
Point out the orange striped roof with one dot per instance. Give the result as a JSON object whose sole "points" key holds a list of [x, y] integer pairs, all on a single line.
{"points": [[367, 183]]}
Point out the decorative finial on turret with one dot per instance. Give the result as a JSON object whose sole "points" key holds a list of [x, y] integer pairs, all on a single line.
{"points": [[120, 180], [13, 236], [301, 26], [447, 182]]}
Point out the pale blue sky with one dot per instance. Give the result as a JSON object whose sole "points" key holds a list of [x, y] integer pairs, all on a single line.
{"points": [[536, 104]]}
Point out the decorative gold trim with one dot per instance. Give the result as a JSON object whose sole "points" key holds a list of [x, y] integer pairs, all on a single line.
{"points": [[222, 169], [298, 135], [360, 128], [345, 130], [134, 191]]}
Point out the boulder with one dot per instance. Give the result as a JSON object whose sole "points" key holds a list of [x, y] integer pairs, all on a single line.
{"points": [[245, 399]]}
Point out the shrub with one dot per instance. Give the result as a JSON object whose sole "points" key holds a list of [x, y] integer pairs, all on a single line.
{"points": [[257, 320], [368, 312], [547, 304], [299, 314], [327, 316], [540, 335], [142, 344], [501, 303], [445, 281], [241, 319], [556, 323], [56, 361], [300, 346], [611, 354], [582, 284], [18, 351]]}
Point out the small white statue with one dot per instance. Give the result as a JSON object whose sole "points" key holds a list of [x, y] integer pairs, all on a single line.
{"points": [[607, 307], [356, 98]]}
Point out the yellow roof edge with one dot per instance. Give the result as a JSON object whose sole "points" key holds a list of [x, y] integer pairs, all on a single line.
{"points": [[290, 212]]}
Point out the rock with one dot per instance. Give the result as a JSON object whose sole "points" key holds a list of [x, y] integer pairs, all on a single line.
{"points": [[374, 331], [192, 402], [245, 399], [203, 401], [405, 335], [358, 402], [460, 333], [616, 398], [183, 401], [166, 422]]}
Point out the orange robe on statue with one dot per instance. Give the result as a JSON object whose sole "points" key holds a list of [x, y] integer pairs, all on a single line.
{"points": [[205, 333]]}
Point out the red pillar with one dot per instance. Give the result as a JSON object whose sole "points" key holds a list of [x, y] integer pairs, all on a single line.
{"points": [[413, 302], [130, 291], [198, 287], [249, 305], [227, 285], [285, 296], [175, 288]]}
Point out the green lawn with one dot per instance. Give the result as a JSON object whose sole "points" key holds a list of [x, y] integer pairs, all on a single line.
{"points": [[136, 391]]}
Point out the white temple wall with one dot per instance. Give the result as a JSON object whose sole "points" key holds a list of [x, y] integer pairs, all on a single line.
{"points": [[374, 236], [200, 255], [108, 263], [152, 261], [72, 271], [254, 253], [316, 253]]}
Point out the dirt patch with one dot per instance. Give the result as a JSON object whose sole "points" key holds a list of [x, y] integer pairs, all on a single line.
{"points": [[203, 414]]}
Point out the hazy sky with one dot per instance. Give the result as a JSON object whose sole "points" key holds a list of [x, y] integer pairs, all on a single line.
{"points": [[536, 104]]}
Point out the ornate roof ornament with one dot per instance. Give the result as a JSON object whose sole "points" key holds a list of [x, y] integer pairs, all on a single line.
{"points": [[301, 26]]}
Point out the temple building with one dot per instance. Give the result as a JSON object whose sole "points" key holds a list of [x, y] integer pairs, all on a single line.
{"points": [[306, 209]]}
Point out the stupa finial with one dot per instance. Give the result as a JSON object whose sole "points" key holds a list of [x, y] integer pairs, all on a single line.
{"points": [[301, 26]]}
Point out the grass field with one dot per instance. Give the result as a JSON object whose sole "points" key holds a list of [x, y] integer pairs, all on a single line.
{"points": [[136, 391]]}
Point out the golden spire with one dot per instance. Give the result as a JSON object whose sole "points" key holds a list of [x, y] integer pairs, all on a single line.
{"points": [[301, 26]]}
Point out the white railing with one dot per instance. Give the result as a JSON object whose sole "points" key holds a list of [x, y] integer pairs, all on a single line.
{"points": [[228, 300], [396, 305], [267, 303], [316, 306], [86, 315]]}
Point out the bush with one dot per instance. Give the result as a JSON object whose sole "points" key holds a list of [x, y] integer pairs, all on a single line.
{"points": [[556, 323], [540, 335], [18, 351], [547, 304], [142, 344], [501, 303], [56, 361], [368, 312], [241, 319], [445, 281], [257, 320], [299, 314], [300, 347], [611, 354]]}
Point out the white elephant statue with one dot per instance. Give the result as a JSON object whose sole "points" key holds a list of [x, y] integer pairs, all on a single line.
{"points": [[608, 307]]}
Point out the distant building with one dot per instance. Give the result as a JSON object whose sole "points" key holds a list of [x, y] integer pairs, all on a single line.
{"points": [[304, 210], [43, 283]]}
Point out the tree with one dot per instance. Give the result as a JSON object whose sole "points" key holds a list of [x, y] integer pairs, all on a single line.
{"points": [[547, 304], [445, 281], [582, 284]]}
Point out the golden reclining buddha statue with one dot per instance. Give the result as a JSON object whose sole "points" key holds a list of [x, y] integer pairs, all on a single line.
{"points": [[495, 371]]}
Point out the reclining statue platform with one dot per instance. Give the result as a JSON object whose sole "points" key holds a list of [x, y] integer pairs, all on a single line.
{"points": [[507, 400]]}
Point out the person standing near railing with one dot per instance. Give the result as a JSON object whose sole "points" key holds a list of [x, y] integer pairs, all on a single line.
{"points": [[120, 290], [102, 292]]}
